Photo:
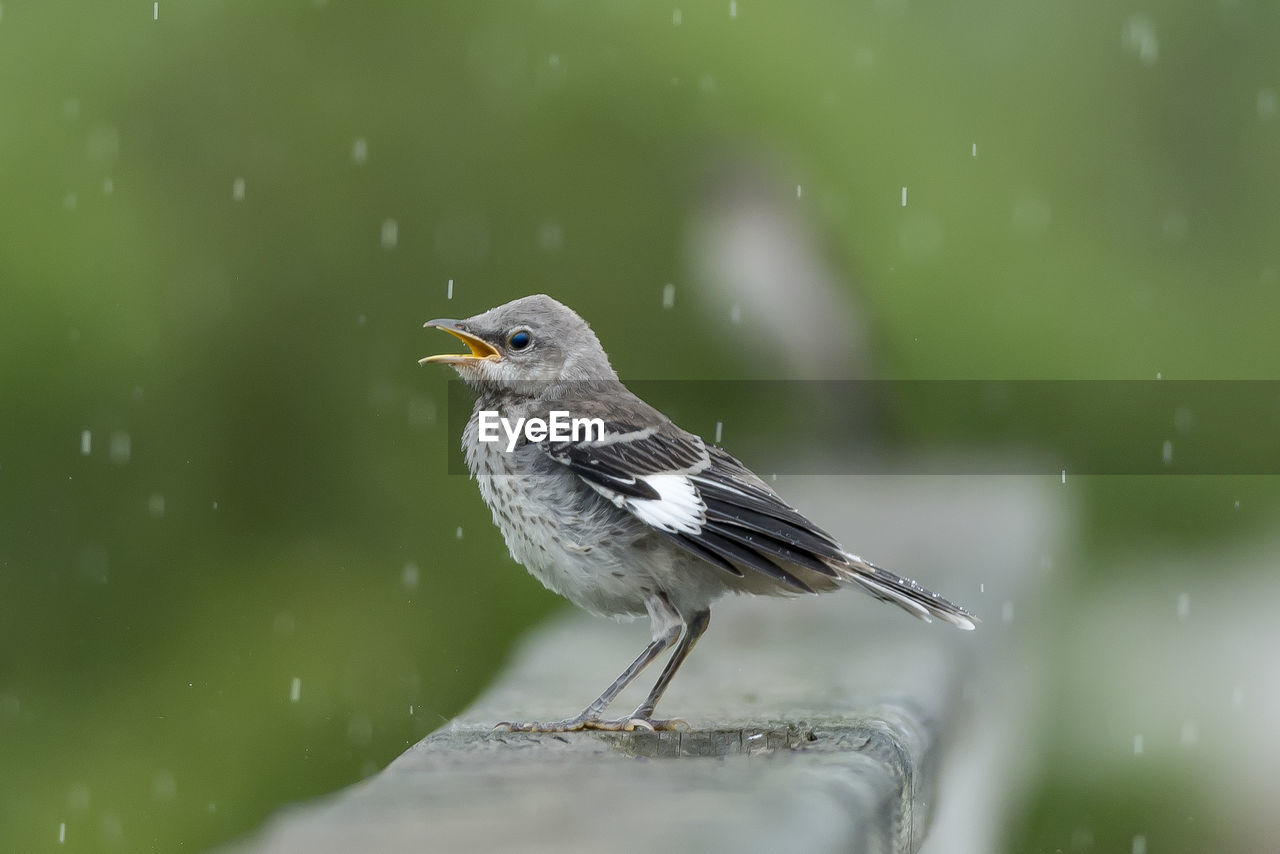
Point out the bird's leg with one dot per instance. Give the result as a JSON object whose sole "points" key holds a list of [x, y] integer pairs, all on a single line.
{"points": [[642, 717], [667, 627]]}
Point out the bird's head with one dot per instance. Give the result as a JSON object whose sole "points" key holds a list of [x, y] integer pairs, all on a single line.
{"points": [[530, 340]]}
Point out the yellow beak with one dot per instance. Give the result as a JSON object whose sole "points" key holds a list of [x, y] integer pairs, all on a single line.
{"points": [[480, 349]]}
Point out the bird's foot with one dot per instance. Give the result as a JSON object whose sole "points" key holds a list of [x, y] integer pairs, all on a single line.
{"points": [[634, 723]]}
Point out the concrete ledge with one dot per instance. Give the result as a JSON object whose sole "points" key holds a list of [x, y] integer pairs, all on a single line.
{"points": [[817, 724], [858, 781]]}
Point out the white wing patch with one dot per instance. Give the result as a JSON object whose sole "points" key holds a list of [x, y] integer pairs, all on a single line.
{"points": [[678, 509]]}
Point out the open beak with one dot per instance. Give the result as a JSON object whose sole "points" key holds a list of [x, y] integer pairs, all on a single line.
{"points": [[480, 349]]}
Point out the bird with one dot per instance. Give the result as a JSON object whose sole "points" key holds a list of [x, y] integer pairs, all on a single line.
{"points": [[640, 517]]}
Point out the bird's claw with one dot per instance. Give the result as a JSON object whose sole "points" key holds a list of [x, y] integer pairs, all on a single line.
{"points": [[635, 723]]}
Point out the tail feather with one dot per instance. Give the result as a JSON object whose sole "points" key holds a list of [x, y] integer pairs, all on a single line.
{"points": [[905, 593]]}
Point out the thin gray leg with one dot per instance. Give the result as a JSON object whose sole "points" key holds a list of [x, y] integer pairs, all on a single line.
{"points": [[590, 716], [693, 630]]}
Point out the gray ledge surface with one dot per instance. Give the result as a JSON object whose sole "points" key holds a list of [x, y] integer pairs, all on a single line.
{"points": [[816, 724]]}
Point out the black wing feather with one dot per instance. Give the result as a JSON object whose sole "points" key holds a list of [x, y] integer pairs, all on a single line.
{"points": [[804, 539], [741, 555], [747, 526], [770, 548]]}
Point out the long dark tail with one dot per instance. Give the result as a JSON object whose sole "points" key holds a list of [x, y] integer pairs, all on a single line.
{"points": [[904, 593]]}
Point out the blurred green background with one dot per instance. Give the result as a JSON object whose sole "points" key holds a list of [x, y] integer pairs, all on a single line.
{"points": [[234, 571]]}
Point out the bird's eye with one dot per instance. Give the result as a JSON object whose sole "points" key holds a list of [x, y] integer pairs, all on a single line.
{"points": [[520, 340]]}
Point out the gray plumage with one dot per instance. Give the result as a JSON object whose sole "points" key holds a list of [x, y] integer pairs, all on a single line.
{"points": [[646, 520]]}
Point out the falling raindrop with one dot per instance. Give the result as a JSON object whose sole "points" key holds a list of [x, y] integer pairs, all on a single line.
{"points": [[295, 689], [359, 151], [458, 533], [550, 236], [1267, 104], [973, 150], [1183, 420], [448, 294], [1139, 38], [1166, 452], [719, 430], [1139, 845], [86, 442], [409, 576], [904, 197], [390, 233], [237, 190], [668, 295]]}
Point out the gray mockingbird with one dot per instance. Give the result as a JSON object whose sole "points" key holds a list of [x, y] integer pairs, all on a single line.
{"points": [[640, 517]]}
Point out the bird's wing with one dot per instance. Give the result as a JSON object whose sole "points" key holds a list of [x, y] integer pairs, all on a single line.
{"points": [[703, 499], [714, 507]]}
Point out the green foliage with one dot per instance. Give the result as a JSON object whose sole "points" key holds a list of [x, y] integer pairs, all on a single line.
{"points": [[196, 269]]}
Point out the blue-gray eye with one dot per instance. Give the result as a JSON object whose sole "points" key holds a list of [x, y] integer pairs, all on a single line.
{"points": [[520, 340]]}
